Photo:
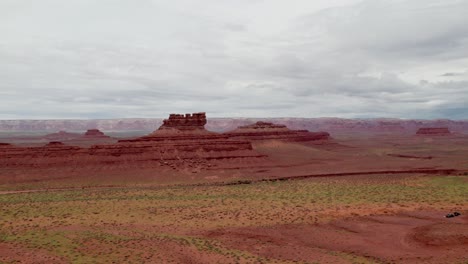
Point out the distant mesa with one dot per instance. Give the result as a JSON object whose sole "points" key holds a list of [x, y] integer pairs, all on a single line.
{"points": [[67, 136], [5, 144], [264, 125], [269, 131], [433, 131], [95, 133]]}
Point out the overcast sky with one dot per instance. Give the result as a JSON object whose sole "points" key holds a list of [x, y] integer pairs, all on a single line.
{"points": [[232, 58]]}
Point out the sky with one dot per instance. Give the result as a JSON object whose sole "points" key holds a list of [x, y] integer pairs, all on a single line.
{"points": [[244, 58]]}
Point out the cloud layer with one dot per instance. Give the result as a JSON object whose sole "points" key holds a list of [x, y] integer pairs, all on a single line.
{"points": [[344, 58]]}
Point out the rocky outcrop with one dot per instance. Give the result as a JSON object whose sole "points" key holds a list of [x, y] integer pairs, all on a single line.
{"points": [[94, 134], [182, 139], [433, 131], [54, 144], [269, 131], [185, 137], [187, 122]]}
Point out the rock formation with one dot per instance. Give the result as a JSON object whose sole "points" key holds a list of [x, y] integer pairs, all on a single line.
{"points": [[189, 122], [185, 137], [182, 139], [332, 125], [54, 144], [269, 131], [94, 133], [433, 131]]}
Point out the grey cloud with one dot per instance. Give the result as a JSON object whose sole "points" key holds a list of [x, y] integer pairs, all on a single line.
{"points": [[454, 74], [119, 58], [415, 28]]}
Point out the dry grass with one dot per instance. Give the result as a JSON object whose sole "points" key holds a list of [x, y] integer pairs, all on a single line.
{"points": [[138, 225]]}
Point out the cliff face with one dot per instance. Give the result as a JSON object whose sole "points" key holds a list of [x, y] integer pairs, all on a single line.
{"points": [[187, 122], [269, 131]]}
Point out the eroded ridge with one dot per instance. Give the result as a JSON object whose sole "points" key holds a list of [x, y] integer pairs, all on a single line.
{"points": [[434, 131], [269, 131]]}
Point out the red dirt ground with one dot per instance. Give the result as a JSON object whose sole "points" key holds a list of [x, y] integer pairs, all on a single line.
{"points": [[416, 237]]}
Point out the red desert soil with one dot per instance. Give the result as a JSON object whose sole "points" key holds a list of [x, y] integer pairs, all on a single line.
{"points": [[412, 237], [19, 254]]}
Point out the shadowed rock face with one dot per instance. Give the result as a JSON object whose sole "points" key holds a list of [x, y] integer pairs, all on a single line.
{"points": [[94, 133], [54, 143], [433, 131], [270, 131]]}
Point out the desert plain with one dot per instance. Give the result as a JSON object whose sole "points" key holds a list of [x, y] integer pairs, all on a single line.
{"points": [[262, 193]]}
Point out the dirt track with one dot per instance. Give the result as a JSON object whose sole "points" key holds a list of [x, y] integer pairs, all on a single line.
{"points": [[298, 177]]}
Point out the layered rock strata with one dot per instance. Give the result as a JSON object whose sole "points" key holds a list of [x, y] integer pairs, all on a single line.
{"points": [[433, 131], [180, 138], [94, 134], [270, 131]]}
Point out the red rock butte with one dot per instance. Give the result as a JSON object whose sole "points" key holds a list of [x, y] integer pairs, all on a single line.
{"points": [[185, 137], [434, 131], [270, 131], [181, 139], [187, 122], [95, 133]]}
